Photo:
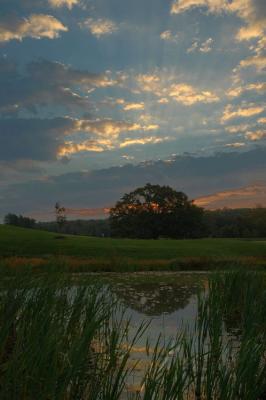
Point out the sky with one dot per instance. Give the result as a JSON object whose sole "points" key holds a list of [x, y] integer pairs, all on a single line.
{"points": [[98, 97]]}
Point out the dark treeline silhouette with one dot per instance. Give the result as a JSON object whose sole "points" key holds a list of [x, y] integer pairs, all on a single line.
{"points": [[155, 211], [19, 220], [239, 223], [93, 227], [242, 223]]}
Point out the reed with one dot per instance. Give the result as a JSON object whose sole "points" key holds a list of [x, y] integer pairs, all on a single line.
{"points": [[65, 339]]}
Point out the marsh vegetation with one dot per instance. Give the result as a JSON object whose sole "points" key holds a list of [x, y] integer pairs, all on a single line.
{"points": [[65, 337]]}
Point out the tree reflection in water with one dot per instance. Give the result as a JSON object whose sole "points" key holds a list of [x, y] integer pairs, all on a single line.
{"points": [[157, 294]]}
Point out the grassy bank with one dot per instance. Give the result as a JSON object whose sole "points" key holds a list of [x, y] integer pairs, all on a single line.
{"points": [[25, 247], [67, 341]]}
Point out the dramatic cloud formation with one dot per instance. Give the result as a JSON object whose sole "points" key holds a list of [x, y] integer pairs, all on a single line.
{"points": [[36, 26], [46, 139], [129, 82], [99, 27]]}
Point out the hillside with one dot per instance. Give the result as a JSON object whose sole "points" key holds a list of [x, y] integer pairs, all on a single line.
{"points": [[34, 243]]}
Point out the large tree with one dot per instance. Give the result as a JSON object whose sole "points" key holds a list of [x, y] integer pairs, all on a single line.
{"points": [[156, 211]]}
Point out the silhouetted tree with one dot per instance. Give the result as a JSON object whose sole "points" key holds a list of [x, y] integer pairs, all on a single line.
{"points": [[60, 215], [156, 211], [19, 220]]}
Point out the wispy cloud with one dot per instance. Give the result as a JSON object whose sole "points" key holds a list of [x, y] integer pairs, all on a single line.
{"points": [[100, 27], [259, 87], [248, 196], [62, 3], [167, 89], [169, 36], [235, 145], [134, 106], [245, 111], [203, 47], [142, 141]]}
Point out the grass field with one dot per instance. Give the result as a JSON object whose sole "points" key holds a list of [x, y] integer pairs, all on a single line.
{"points": [[26, 243]]}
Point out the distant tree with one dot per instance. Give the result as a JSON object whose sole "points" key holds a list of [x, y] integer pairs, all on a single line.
{"points": [[156, 211], [60, 215], [11, 219], [19, 220]]}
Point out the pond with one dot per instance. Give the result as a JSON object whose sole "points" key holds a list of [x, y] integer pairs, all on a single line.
{"points": [[68, 333], [166, 302]]}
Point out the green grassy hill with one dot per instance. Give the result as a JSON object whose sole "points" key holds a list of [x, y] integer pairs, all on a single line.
{"points": [[33, 243]]}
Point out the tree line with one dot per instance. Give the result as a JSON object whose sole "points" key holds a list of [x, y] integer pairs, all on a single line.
{"points": [[155, 211]]}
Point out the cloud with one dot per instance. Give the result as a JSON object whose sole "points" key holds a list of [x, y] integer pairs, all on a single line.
{"points": [[70, 148], [258, 61], [142, 141], [194, 46], [180, 92], [62, 3], [151, 127], [36, 26], [99, 27], [149, 83], [262, 120], [32, 139], [195, 175], [256, 135], [47, 139], [245, 111], [252, 13], [188, 95], [47, 83], [214, 6], [245, 197], [237, 128], [107, 127], [134, 106], [204, 47], [259, 87], [66, 75], [169, 36], [163, 100], [235, 145], [106, 136]]}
